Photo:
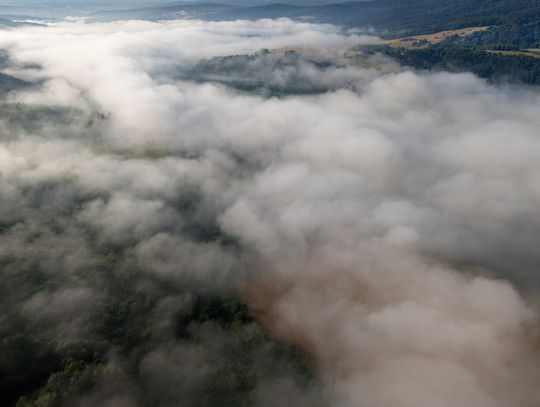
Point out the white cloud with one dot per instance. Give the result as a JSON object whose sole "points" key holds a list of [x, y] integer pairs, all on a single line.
{"points": [[366, 211]]}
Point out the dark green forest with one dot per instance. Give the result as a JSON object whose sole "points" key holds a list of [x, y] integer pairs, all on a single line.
{"points": [[513, 26], [229, 357], [136, 323], [38, 372], [488, 65], [427, 16]]}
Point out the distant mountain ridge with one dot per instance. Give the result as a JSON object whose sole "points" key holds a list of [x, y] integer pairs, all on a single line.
{"points": [[395, 17], [511, 25], [515, 22]]}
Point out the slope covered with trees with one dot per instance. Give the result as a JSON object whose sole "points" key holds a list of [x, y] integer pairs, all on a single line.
{"points": [[496, 67]]}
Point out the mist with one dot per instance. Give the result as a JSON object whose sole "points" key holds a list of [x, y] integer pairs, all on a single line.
{"points": [[384, 222]]}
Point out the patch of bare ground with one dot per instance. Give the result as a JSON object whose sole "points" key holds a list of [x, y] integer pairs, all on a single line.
{"points": [[523, 53], [416, 41]]}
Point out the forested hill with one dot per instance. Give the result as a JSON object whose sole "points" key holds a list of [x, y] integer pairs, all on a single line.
{"points": [[392, 16], [512, 21], [424, 16], [510, 25]]}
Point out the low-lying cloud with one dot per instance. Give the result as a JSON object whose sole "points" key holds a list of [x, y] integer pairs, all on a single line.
{"points": [[387, 224]]}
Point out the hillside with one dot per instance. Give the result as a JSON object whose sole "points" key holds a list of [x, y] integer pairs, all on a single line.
{"points": [[513, 20]]}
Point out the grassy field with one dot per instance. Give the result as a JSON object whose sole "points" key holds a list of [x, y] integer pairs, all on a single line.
{"points": [[430, 39]]}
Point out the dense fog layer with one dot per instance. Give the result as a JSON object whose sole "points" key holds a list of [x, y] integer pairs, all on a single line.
{"points": [[386, 222]]}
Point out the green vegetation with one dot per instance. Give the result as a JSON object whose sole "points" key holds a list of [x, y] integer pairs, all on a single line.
{"points": [[429, 16], [9, 83], [18, 119], [498, 53], [263, 73], [238, 356], [54, 353], [496, 67]]}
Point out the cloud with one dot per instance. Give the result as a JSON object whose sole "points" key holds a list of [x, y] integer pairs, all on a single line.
{"points": [[386, 224]]}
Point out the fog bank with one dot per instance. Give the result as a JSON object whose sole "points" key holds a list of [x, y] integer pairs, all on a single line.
{"points": [[386, 223]]}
